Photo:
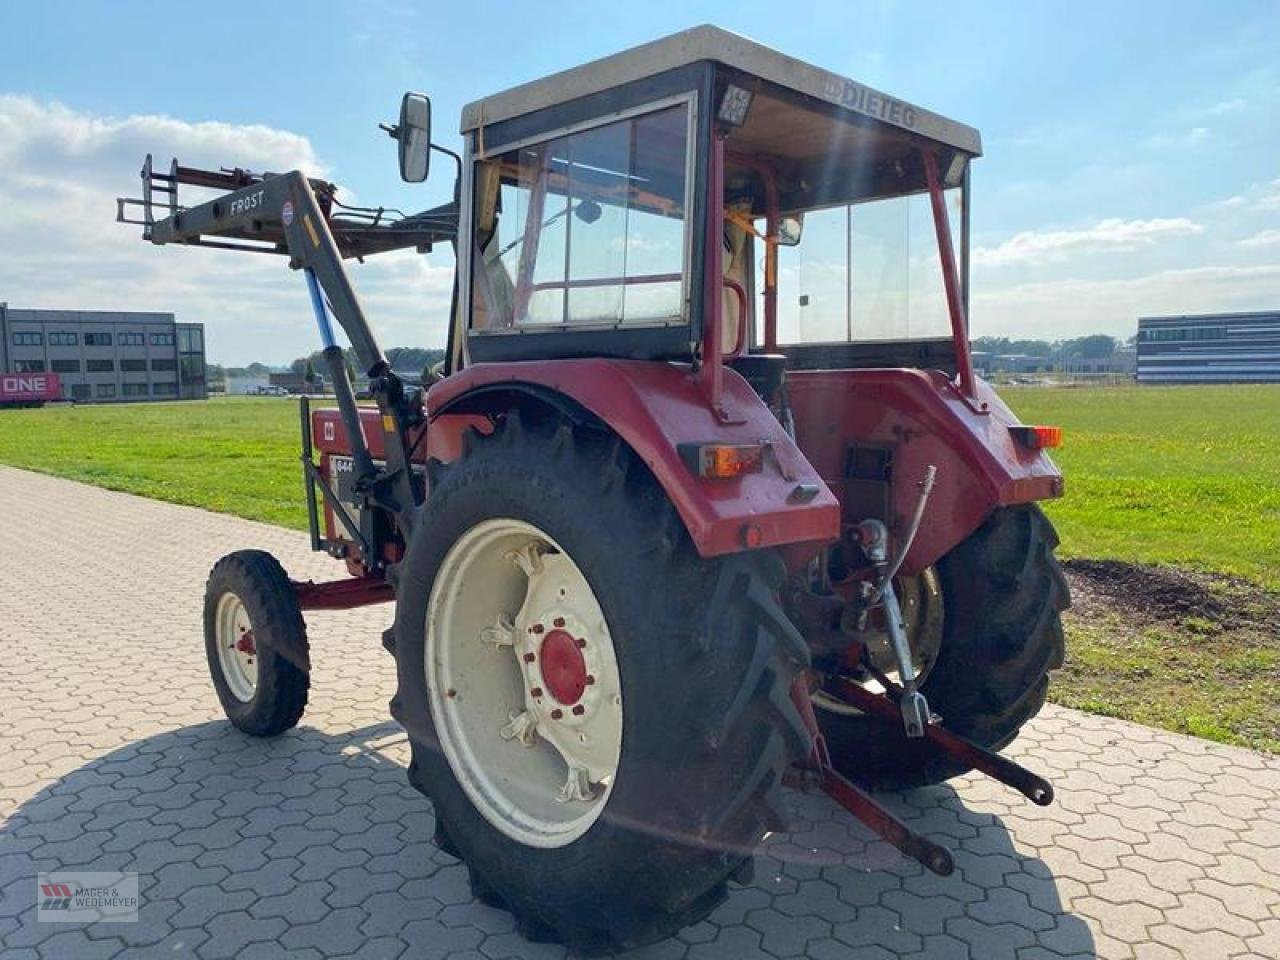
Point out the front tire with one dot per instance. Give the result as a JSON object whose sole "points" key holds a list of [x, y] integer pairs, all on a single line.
{"points": [[1003, 594], [256, 643], [703, 660]]}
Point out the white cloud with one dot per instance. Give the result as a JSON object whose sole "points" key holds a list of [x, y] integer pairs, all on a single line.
{"points": [[1261, 197], [1107, 236], [60, 171], [1186, 138], [1234, 105], [1070, 308], [1263, 238]]}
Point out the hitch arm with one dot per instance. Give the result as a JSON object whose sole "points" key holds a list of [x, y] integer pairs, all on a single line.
{"points": [[878, 818], [1033, 787], [885, 825]]}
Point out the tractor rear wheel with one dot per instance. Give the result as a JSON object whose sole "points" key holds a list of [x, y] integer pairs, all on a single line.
{"points": [[985, 656], [256, 643], [600, 716]]}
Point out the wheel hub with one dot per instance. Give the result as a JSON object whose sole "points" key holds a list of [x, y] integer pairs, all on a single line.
{"points": [[237, 647], [564, 669], [524, 683]]}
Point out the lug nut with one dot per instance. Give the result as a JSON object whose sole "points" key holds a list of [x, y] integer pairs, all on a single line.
{"points": [[530, 657], [578, 710], [537, 628], [451, 693], [582, 642], [590, 680], [558, 622], [536, 691], [557, 714]]}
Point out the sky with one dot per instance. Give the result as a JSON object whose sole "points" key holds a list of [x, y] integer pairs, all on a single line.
{"points": [[1131, 150]]}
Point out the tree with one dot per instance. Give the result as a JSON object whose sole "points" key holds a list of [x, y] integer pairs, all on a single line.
{"points": [[1098, 346], [309, 372]]}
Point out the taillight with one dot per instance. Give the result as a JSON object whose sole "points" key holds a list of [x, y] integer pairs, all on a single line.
{"points": [[723, 461], [1037, 437]]}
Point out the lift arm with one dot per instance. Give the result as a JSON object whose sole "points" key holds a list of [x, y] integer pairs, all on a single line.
{"points": [[281, 213]]}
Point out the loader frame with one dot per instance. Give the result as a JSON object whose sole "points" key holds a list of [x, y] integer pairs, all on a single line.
{"points": [[292, 215]]}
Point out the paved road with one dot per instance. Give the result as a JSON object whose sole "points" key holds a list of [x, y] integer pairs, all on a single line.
{"points": [[114, 756]]}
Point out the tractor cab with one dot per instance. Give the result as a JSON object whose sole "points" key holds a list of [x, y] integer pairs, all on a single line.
{"points": [[704, 197]]}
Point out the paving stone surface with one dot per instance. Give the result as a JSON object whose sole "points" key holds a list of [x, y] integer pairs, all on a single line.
{"points": [[114, 756]]}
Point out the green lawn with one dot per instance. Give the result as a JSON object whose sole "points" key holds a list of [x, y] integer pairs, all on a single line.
{"points": [[1173, 475], [1187, 477], [235, 455]]}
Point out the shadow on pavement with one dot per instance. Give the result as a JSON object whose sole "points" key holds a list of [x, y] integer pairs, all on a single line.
{"points": [[313, 844]]}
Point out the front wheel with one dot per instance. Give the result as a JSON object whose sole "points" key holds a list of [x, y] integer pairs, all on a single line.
{"points": [[985, 630], [600, 716], [256, 643]]}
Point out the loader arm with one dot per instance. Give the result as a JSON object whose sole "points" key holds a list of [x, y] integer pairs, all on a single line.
{"points": [[280, 213]]}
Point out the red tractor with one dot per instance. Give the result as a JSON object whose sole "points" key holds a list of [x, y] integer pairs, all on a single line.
{"points": [[705, 496]]}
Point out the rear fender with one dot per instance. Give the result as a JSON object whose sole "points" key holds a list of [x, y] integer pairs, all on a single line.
{"points": [[654, 407], [917, 418]]}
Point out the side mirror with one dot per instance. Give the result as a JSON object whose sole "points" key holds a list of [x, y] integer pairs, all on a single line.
{"points": [[414, 137], [790, 230]]}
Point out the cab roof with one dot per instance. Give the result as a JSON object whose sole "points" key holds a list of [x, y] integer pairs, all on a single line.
{"points": [[709, 43]]}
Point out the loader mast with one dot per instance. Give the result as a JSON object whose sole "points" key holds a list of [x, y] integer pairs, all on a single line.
{"points": [[282, 214]]}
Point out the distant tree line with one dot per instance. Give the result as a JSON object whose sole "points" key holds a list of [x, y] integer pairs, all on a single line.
{"points": [[419, 360], [411, 360], [1096, 346]]}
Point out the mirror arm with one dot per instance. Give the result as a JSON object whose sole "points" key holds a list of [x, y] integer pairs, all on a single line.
{"points": [[457, 162]]}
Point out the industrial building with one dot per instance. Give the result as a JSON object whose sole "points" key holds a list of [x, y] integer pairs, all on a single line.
{"points": [[106, 356], [1210, 348]]}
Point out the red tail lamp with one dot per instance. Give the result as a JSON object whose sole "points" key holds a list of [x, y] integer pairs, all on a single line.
{"points": [[1037, 437]]}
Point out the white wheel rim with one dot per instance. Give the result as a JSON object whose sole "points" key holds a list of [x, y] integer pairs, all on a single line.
{"points": [[523, 681], [237, 647], [921, 600]]}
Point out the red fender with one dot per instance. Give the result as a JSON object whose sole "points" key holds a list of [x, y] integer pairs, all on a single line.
{"points": [[655, 407], [920, 419]]}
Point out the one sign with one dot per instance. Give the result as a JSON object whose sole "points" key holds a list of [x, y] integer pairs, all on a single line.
{"points": [[29, 387]]}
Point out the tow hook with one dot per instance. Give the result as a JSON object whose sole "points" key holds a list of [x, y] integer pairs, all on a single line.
{"points": [[874, 539]]}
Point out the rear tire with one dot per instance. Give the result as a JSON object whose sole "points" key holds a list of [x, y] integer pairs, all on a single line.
{"points": [[1003, 594], [705, 659], [256, 643]]}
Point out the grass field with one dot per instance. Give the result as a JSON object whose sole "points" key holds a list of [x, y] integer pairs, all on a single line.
{"points": [[237, 455], [1185, 477], [1180, 475]]}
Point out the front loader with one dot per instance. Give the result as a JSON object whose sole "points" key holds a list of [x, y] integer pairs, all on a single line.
{"points": [[705, 499]]}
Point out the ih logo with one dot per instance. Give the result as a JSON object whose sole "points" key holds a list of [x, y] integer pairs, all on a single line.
{"points": [[57, 896]]}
